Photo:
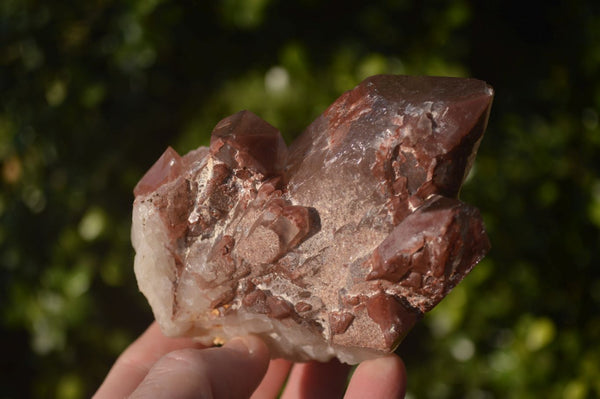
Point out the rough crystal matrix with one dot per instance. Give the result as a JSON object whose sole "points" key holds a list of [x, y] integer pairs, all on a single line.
{"points": [[333, 247]]}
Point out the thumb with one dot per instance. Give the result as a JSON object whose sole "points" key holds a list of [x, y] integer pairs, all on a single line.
{"points": [[232, 371]]}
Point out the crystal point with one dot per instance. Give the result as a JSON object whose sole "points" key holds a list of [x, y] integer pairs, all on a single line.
{"points": [[165, 169], [244, 140]]}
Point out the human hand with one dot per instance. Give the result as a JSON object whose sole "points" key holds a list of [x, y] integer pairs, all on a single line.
{"points": [[159, 367]]}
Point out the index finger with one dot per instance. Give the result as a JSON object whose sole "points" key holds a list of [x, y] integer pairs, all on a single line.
{"points": [[135, 362]]}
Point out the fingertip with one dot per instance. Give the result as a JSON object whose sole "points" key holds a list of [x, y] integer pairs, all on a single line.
{"points": [[317, 380], [274, 379], [134, 363], [383, 377]]}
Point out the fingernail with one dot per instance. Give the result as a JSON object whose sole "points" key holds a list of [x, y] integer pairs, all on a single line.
{"points": [[249, 344]]}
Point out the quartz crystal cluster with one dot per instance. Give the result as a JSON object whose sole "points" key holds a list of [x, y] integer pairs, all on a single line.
{"points": [[333, 247]]}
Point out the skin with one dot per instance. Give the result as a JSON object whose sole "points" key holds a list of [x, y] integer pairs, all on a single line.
{"points": [[160, 367]]}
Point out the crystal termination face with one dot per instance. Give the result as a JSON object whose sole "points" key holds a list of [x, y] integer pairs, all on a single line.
{"points": [[333, 247]]}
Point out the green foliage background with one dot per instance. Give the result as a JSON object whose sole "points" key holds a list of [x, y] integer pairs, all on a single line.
{"points": [[91, 93]]}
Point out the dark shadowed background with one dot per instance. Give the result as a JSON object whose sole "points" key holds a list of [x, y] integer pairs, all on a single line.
{"points": [[92, 92]]}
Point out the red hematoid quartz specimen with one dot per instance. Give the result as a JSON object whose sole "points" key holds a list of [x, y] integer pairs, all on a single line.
{"points": [[333, 247]]}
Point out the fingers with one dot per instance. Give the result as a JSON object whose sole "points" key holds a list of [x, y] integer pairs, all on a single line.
{"points": [[232, 371], [157, 366], [133, 364], [317, 380], [378, 378], [274, 379]]}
